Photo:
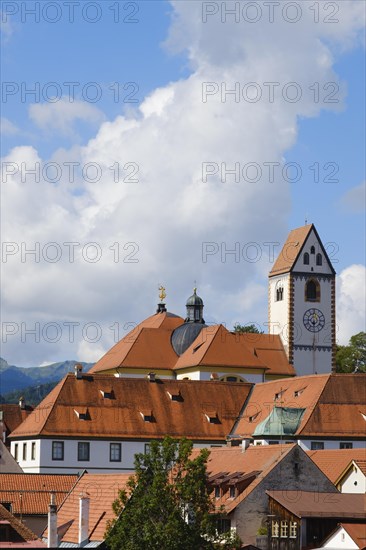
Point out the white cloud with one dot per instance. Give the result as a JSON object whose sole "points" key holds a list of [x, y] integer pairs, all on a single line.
{"points": [[89, 352], [355, 199], [61, 115], [8, 128], [351, 299], [165, 219]]}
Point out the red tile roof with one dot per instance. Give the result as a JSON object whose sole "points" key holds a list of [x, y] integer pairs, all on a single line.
{"points": [[291, 250], [357, 532], [334, 462], [333, 404], [29, 494], [120, 417], [22, 531], [255, 462], [102, 489], [13, 415], [326, 505]]}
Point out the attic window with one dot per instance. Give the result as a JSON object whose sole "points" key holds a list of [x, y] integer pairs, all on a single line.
{"points": [[175, 395], [212, 417], [232, 491], [107, 394], [82, 414], [147, 415], [279, 394], [254, 416], [197, 347], [299, 392]]}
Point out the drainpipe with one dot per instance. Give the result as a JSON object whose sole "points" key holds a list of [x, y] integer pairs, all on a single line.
{"points": [[84, 503], [52, 523]]}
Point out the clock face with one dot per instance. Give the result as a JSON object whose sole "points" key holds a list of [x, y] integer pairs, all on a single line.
{"points": [[314, 320]]}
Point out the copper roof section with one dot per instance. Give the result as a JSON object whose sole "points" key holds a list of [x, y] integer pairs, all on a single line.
{"points": [[321, 505], [120, 417], [102, 490], [29, 494], [334, 462], [334, 405]]}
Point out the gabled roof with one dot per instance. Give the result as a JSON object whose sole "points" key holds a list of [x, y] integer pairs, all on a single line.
{"points": [[29, 494], [334, 405], [146, 346], [216, 346], [357, 532], [257, 460], [313, 504], [102, 489], [13, 415], [334, 462], [292, 249], [121, 417], [22, 531]]}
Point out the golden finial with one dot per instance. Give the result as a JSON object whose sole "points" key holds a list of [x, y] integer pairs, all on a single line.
{"points": [[162, 294]]}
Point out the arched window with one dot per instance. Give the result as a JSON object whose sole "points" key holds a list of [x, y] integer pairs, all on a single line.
{"points": [[319, 259], [312, 250], [306, 258], [312, 291], [279, 294]]}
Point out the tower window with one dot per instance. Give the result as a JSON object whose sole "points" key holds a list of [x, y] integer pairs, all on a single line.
{"points": [[312, 250], [312, 291], [306, 258], [279, 294], [319, 259]]}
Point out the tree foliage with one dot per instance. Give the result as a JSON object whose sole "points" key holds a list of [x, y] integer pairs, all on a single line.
{"points": [[167, 507], [352, 358], [247, 328]]}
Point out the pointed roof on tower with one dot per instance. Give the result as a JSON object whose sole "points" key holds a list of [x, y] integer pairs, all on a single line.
{"points": [[292, 249]]}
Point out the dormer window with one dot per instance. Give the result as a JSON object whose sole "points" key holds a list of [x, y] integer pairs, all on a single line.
{"points": [[175, 395], [147, 415], [82, 414], [232, 491], [254, 416], [319, 259], [298, 392], [306, 259], [211, 416], [107, 394], [217, 491]]}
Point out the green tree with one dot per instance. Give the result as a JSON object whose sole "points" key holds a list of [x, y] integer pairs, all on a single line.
{"points": [[352, 358], [167, 504], [247, 328]]}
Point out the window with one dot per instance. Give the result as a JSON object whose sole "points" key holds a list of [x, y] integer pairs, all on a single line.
{"points": [[115, 454], [306, 258], [275, 529], [273, 442], [319, 259], [57, 450], [217, 491], [346, 445], [231, 379], [33, 451], [312, 291], [24, 451], [16, 451], [317, 445], [293, 529], [279, 294], [284, 529], [223, 525], [312, 250], [232, 491], [83, 451], [147, 448]]}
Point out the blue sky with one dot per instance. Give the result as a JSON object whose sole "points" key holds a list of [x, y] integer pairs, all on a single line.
{"points": [[108, 52]]}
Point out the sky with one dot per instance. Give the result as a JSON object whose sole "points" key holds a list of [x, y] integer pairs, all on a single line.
{"points": [[173, 143]]}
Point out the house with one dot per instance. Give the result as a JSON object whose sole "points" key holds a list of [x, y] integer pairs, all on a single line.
{"points": [[189, 349], [239, 478], [11, 416], [346, 468], [315, 513], [99, 422], [347, 536], [14, 534], [82, 518], [324, 411], [27, 496]]}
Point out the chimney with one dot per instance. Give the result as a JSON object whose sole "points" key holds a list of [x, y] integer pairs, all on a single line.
{"points": [[52, 523], [151, 376], [244, 445], [78, 371], [84, 519], [22, 403]]}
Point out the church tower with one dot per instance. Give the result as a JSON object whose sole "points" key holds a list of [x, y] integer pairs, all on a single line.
{"points": [[302, 302]]}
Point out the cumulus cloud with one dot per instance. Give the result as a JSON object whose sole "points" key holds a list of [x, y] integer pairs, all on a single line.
{"points": [[351, 299], [8, 128], [355, 199], [144, 203], [61, 115]]}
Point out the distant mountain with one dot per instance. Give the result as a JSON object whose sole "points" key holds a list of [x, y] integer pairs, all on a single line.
{"points": [[14, 378]]}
